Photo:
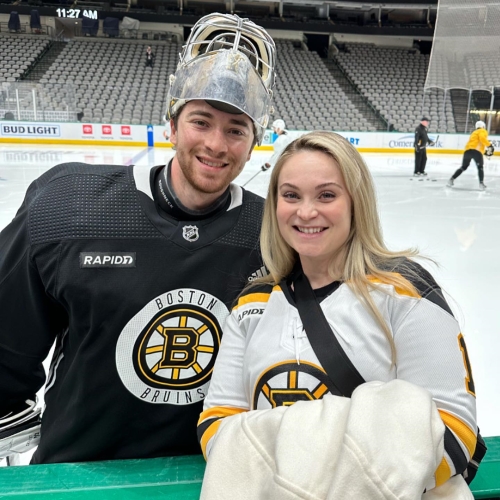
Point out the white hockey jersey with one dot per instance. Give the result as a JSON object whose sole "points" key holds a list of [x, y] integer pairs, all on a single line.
{"points": [[266, 360], [279, 145]]}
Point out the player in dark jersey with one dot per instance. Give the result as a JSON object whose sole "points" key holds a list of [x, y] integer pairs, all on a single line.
{"points": [[131, 270]]}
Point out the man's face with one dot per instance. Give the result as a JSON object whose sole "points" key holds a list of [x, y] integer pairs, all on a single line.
{"points": [[425, 123], [212, 147]]}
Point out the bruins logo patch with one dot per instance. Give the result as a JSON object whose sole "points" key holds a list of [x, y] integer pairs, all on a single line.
{"points": [[166, 353], [288, 382]]}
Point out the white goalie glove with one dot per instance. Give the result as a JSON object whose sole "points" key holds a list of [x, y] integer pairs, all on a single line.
{"points": [[20, 429]]}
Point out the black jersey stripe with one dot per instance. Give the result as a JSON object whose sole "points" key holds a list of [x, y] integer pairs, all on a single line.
{"points": [[454, 451], [204, 426], [422, 280], [436, 297]]}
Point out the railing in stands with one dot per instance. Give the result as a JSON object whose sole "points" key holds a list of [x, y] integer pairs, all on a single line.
{"points": [[26, 30]]}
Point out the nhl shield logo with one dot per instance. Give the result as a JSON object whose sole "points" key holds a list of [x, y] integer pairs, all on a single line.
{"points": [[190, 233]]}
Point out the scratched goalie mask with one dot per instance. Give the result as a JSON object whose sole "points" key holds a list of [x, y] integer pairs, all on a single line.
{"points": [[229, 62]]}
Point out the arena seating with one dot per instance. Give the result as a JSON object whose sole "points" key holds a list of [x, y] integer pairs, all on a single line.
{"points": [[18, 53], [393, 80], [110, 79], [307, 97], [107, 81], [483, 70]]}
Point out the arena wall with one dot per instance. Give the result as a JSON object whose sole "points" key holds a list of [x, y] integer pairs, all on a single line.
{"points": [[98, 134]]}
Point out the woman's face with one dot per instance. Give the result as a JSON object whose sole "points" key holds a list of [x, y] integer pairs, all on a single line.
{"points": [[314, 207]]}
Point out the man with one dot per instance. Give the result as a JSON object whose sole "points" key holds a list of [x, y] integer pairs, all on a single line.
{"points": [[150, 57], [279, 144], [477, 145], [132, 270], [421, 142]]}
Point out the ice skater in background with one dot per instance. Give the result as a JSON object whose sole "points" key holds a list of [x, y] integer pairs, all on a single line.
{"points": [[421, 142], [279, 144], [477, 145]]}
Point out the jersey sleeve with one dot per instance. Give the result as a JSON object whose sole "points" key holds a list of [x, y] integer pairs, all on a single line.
{"points": [[226, 395], [279, 145], [432, 354], [28, 319], [483, 139], [418, 138], [425, 138]]}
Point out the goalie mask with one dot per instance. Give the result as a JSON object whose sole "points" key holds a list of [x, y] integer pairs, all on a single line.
{"points": [[229, 62]]}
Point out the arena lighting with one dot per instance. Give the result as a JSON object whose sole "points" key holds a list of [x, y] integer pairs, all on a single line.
{"points": [[374, 5], [484, 111], [355, 5]]}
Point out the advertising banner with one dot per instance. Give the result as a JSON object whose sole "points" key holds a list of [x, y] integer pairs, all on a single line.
{"points": [[20, 129], [73, 133], [159, 135], [102, 133]]}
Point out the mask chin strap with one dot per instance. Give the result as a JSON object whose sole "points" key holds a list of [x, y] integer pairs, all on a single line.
{"points": [[169, 203]]}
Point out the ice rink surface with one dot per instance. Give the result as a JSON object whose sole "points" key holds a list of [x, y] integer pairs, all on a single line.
{"points": [[459, 228]]}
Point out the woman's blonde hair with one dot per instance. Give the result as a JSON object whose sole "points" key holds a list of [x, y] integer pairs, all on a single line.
{"points": [[366, 259]]}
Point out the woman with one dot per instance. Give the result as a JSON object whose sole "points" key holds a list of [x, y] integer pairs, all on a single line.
{"points": [[387, 312]]}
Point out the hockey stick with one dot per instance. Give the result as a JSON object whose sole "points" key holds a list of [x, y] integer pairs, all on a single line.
{"points": [[252, 178], [435, 142]]}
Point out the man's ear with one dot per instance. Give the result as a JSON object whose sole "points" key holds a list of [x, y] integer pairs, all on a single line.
{"points": [[173, 132], [251, 150]]}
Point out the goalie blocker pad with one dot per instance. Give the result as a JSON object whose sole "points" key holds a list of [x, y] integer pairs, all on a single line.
{"points": [[20, 429]]}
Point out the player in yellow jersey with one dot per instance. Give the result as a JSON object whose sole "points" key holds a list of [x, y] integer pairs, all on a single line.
{"points": [[477, 145]]}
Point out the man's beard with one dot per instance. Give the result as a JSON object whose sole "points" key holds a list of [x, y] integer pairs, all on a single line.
{"points": [[205, 183]]}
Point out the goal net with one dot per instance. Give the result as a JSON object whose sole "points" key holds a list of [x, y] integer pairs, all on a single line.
{"points": [[466, 47]]}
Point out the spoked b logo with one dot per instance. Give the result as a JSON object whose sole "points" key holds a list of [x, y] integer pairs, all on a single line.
{"points": [[166, 353], [285, 383]]}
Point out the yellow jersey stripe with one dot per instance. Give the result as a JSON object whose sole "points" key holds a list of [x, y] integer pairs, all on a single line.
{"points": [[255, 297], [399, 290], [215, 412], [462, 430], [443, 472], [219, 412]]}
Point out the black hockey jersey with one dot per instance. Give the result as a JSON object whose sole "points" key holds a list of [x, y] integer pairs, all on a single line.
{"points": [[135, 301], [421, 138]]}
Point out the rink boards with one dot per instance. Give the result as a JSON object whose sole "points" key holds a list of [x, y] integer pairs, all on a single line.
{"points": [[165, 478], [99, 134]]}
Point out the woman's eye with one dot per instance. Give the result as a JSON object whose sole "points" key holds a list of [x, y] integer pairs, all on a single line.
{"points": [[327, 195], [289, 195]]}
